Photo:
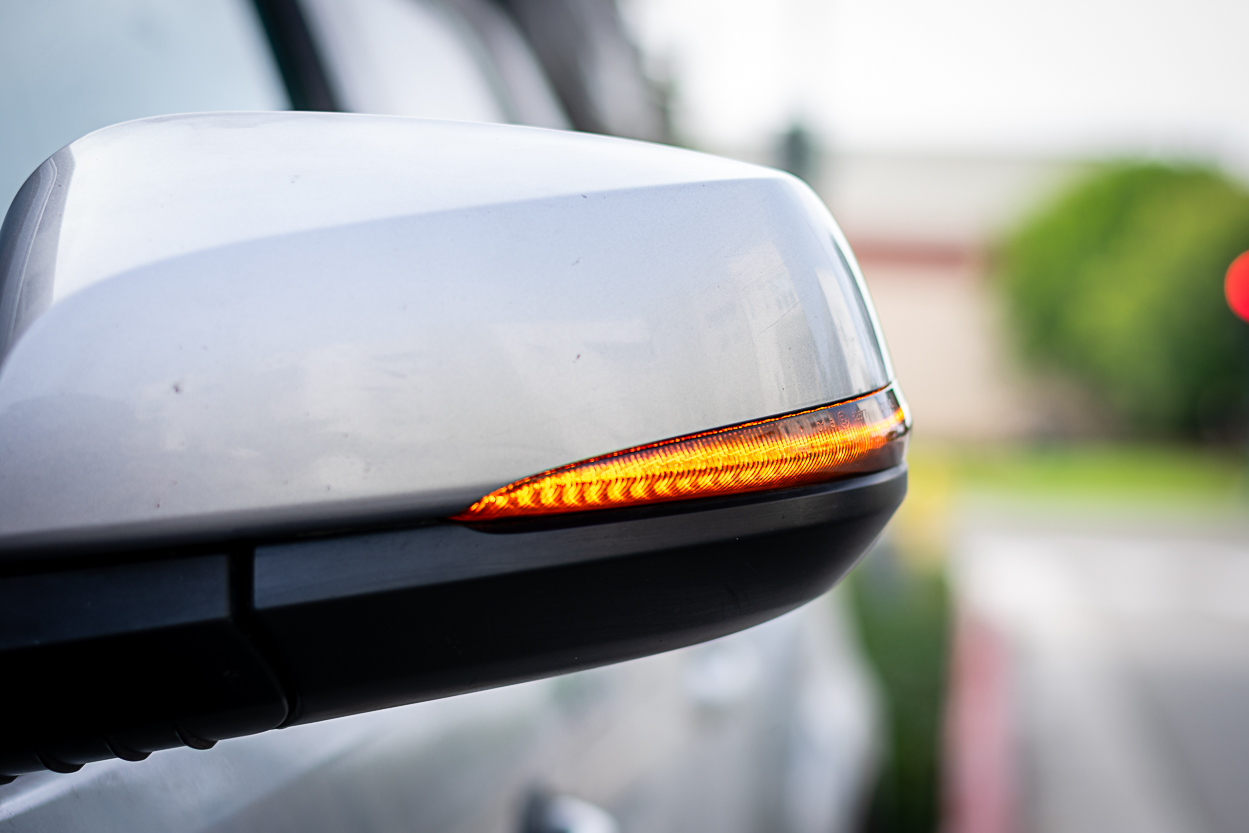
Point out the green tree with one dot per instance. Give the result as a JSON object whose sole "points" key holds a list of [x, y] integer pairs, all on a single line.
{"points": [[1119, 283], [903, 618]]}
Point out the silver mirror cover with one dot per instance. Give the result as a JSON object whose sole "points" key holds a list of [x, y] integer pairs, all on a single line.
{"points": [[222, 324]]}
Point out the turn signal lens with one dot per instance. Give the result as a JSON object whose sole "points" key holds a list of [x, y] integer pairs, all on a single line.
{"points": [[857, 436]]}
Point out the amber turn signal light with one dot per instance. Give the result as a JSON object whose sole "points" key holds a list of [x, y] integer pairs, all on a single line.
{"points": [[856, 436]]}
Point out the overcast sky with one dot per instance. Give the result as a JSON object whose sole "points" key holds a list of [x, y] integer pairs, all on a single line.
{"points": [[1053, 78]]}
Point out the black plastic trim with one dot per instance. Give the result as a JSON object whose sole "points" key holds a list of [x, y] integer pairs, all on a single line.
{"points": [[124, 660], [243, 586], [189, 647], [367, 622], [314, 570]]}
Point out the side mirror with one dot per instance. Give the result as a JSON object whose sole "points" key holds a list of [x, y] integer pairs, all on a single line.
{"points": [[303, 415]]}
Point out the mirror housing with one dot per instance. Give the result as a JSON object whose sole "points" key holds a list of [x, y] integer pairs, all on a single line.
{"points": [[250, 364]]}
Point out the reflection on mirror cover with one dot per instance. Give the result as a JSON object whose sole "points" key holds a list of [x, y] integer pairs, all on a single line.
{"points": [[858, 436]]}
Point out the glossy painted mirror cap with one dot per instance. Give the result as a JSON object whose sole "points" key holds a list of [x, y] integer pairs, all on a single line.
{"points": [[281, 322]]}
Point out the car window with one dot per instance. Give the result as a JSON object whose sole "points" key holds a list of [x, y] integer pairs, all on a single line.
{"points": [[404, 58], [68, 67]]}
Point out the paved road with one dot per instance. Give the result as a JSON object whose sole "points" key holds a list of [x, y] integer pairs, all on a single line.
{"points": [[1126, 661]]}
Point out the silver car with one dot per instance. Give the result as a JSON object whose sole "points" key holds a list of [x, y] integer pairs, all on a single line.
{"points": [[373, 472]]}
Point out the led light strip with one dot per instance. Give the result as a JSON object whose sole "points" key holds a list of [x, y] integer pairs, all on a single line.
{"points": [[857, 436]]}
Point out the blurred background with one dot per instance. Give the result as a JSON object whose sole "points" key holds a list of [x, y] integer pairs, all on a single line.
{"points": [[1044, 199]]}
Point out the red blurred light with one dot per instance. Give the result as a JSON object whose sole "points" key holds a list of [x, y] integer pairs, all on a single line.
{"points": [[1236, 286]]}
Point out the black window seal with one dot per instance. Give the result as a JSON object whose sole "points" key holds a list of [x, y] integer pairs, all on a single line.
{"points": [[298, 58]]}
